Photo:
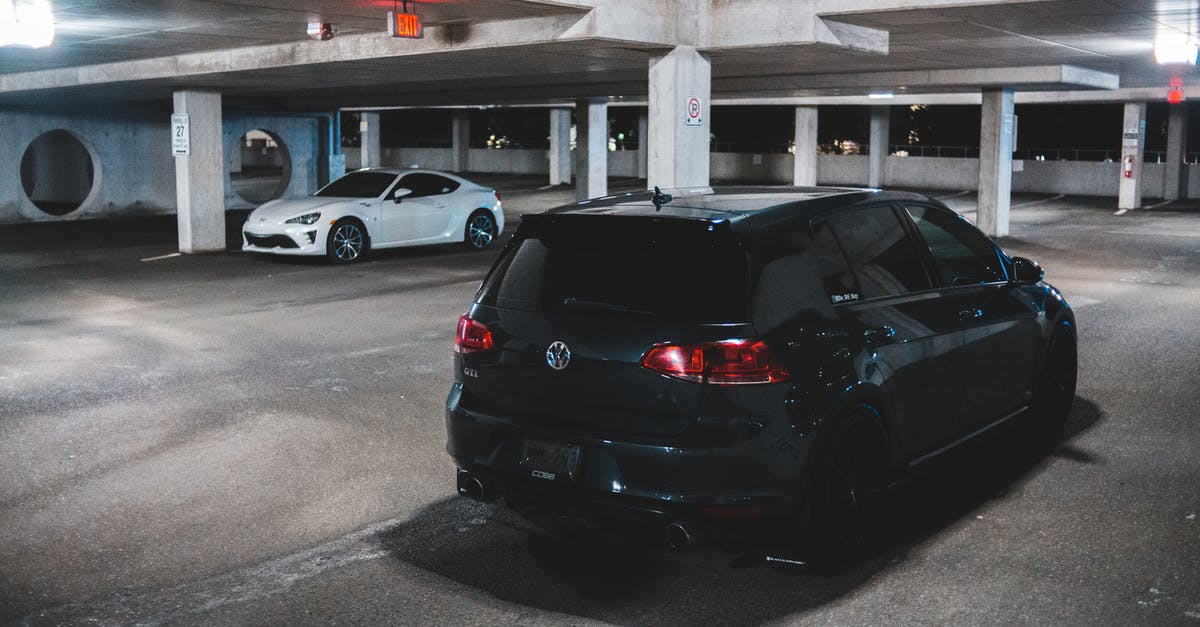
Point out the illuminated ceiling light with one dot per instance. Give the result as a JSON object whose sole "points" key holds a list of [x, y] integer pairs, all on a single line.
{"points": [[27, 23], [881, 95], [1175, 48]]}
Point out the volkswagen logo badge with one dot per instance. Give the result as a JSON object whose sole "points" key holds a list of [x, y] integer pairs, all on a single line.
{"points": [[558, 355]]}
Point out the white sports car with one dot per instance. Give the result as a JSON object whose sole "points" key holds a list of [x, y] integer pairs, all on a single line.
{"points": [[377, 208]]}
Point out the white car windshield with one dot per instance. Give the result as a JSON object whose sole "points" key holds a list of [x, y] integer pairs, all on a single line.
{"points": [[358, 185]]}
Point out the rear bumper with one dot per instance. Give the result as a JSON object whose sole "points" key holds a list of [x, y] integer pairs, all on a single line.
{"points": [[754, 480]]}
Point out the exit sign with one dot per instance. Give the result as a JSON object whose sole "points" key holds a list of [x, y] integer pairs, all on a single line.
{"points": [[406, 25]]}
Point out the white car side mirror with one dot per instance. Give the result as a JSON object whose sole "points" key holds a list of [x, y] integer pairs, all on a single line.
{"points": [[400, 192]]}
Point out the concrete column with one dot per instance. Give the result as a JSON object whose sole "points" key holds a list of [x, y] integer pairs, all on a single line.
{"points": [[368, 133], [1175, 183], [460, 141], [643, 145], [804, 163], [591, 148], [560, 146], [1133, 149], [678, 142], [995, 161], [880, 119], [200, 175]]}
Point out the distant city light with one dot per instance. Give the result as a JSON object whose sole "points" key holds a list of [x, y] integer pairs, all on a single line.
{"points": [[1175, 48], [27, 23], [881, 95]]}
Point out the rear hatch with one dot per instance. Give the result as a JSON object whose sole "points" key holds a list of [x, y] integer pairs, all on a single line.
{"points": [[610, 288]]}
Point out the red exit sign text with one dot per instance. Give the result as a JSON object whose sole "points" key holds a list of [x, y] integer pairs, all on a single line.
{"points": [[407, 25]]}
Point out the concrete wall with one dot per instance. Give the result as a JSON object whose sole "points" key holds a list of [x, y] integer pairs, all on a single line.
{"points": [[134, 172], [301, 137], [621, 163]]}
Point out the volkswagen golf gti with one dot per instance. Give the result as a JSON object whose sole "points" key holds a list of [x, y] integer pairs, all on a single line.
{"points": [[745, 360]]}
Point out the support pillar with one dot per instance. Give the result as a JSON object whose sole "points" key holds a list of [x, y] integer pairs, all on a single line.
{"points": [[368, 133], [678, 142], [880, 120], [591, 148], [460, 141], [331, 163], [804, 163], [995, 161], [1133, 149], [643, 130], [200, 175], [560, 146], [1175, 181]]}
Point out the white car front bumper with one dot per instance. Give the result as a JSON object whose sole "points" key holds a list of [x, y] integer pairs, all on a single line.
{"points": [[285, 239]]}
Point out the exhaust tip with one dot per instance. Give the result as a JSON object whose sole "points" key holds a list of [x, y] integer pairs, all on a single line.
{"points": [[678, 536]]}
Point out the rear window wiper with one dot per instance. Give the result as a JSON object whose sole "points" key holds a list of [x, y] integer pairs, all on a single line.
{"points": [[584, 303]]}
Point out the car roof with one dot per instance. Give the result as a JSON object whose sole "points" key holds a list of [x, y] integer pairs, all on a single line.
{"points": [[716, 204], [398, 171]]}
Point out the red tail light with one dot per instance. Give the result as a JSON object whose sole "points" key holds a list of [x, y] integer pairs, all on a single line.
{"points": [[471, 336], [730, 362], [498, 197]]}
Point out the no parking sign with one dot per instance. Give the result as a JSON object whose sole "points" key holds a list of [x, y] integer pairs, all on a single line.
{"points": [[694, 109]]}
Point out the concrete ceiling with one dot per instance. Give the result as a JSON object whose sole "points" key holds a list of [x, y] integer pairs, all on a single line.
{"points": [[529, 51]]}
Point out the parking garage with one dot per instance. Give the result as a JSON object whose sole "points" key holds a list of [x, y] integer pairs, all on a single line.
{"points": [[218, 437]]}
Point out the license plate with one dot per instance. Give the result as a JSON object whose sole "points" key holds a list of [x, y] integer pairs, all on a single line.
{"points": [[550, 460]]}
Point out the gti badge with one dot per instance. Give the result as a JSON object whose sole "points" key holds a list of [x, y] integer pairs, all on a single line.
{"points": [[558, 355]]}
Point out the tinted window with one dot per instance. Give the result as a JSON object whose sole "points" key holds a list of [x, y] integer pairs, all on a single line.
{"points": [[683, 273], [885, 260], [423, 184], [359, 185], [836, 277], [961, 254]]}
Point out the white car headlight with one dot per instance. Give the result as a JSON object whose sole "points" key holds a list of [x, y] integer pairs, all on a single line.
{"points": [[307, 218]]}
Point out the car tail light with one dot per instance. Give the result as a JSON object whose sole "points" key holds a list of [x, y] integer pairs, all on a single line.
{"points": [[729, 362], [498, 197], [471, 336]]}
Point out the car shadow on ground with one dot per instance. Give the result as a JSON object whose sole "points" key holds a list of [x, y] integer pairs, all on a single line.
{"points": [[589, 575]]}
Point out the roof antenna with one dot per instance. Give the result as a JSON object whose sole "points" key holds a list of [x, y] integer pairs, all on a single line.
{"points": [[659, 199]]}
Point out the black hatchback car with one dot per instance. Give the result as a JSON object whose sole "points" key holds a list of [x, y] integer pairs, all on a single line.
{"points": [[746, 358]]}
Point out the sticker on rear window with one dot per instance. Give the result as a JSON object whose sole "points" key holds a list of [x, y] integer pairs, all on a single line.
{"points": [[841, 298]]}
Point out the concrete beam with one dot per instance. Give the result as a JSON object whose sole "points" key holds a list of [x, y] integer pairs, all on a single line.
{"points": [[200, 175], [678, 142], [804, 162], [880, 129], [368, 133], [1175, 175], [560, 146], [460, 141], [591, 148], [995, 162], [1133, 150]]}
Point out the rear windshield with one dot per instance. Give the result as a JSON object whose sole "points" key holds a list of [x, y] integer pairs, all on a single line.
{"points": [[359, 185], [673, 269]]}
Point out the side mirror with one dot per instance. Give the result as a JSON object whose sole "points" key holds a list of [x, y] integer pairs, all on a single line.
{"points": [[400, 192], [1027, 271]]}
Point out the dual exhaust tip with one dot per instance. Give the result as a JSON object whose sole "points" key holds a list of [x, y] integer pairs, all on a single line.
{"points": [[678, 535]]}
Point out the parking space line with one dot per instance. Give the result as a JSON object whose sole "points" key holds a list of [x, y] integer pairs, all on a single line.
{"points": [[168, 256]]}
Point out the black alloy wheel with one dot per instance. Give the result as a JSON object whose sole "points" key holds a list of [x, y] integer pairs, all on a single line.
{"points": [[347, 242], [480, 231], [847, 488]]}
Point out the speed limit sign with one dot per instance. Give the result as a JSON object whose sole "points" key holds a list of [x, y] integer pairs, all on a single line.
{"points": [[694, 111]]}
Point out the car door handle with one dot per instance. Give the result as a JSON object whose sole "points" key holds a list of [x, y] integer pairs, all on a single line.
{"points": [[365, 204], [970, 314], [879, 335]]}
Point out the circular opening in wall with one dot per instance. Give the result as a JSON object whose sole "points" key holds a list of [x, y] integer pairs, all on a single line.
{"points": [[57, 172], [260, 167]]}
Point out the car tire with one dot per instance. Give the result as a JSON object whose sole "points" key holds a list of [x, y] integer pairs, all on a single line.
{"points": [[847, 488], [347, 242], [1055, 392], [480, 231]]}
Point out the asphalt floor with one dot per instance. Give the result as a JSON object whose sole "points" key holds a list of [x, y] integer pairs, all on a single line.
{"points": [[223, 438]]}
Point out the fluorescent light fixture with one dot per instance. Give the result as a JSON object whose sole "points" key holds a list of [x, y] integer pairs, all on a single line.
{"points": [[1175, 48], [881, 95], [27, 23]]}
